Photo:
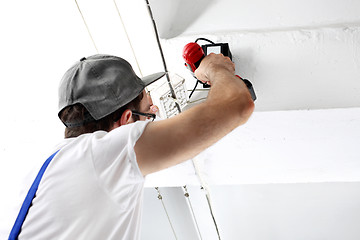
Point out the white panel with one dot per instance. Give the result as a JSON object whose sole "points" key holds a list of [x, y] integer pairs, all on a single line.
{"points": [[179, 213], [156, 224], [288, 211], [278, 147], [290, 70], [262, 212], [184, 17], [202, 213]]}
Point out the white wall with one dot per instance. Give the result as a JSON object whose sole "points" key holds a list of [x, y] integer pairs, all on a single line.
{"points": [[257, 212], [39, 41]]}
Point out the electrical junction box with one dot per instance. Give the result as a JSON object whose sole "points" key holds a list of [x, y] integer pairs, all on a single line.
{"points": [[162, 97], [217, 48]]}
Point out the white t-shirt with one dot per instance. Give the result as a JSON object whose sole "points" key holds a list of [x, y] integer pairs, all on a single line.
{"points": [[92, 189]]}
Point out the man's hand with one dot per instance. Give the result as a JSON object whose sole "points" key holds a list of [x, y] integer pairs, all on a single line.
{"points": [[213, 64]]}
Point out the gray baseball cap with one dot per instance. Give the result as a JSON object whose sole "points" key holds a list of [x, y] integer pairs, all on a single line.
{"points": [[102, 84]]}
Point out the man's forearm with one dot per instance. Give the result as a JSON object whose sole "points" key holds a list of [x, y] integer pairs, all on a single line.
{"points": [[172, 141]]}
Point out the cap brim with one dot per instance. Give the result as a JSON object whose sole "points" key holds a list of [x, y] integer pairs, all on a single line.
{"points": [[147, 80]]}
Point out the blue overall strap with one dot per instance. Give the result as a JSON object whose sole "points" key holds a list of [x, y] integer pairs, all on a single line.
{"points": [[28, 200]]}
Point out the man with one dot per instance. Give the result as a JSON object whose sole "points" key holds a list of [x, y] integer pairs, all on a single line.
{"points": [[93, 187]]}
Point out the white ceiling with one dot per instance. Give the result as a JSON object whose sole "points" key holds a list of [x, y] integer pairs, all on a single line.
{"points": [[187, 17]]}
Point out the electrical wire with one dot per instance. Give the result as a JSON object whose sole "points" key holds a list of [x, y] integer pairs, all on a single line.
{"points": [[204, 39], [128, 38], [86, 26], [197, 82], [207, 193], [212, 215], [187, 196], [162, 55], [162, 202]]}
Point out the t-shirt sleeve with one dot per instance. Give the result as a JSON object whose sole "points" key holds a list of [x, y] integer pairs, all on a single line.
{"points": [[115, 162]]}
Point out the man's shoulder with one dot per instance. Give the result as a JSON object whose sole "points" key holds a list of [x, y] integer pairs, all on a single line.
{"points": [[135, 129]]}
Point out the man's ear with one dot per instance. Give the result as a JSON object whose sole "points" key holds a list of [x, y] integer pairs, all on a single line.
{"points": [[126, 117]]}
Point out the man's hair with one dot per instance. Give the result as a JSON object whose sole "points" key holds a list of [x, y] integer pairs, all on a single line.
{"points": [[78, 112]]}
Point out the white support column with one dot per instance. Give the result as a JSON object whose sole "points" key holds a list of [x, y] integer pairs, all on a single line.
{"points": [[279, 147]]}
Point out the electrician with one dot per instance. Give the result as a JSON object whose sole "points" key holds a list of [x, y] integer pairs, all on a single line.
{"points": [[93, 187]]}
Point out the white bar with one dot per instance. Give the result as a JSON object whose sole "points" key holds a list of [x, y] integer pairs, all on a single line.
{"points": [[279, 147]]}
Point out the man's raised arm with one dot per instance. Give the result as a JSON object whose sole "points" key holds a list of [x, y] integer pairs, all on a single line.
{"points": [[166, 143]]}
